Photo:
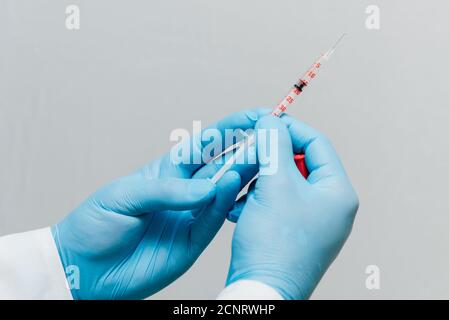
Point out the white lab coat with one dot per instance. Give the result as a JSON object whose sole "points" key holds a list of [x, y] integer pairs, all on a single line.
{"points": [[30, 268]]}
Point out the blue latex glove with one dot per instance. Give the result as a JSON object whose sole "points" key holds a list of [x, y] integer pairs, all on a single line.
{"points": [[290, 229], [136, 235]]}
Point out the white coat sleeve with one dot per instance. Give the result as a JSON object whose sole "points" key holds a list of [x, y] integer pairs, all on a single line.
{"points": [[30, 267], [249, 290]]}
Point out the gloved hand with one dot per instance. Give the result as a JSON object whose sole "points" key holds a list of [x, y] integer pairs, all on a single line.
{"points": [[136, 235], [290, 229]]}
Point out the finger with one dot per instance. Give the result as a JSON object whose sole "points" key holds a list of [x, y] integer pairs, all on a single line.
{"points": [[136, 195], [214, 139], [234, 215], [236, 211], [321, 158], [274, 148], [207, 224]]}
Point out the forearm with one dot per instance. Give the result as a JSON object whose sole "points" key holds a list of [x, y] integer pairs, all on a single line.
{"points": [[249, 290], [30, 267]]}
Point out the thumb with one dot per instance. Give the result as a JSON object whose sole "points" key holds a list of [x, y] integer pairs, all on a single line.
{"points": [[210, 220], [136, 195], [274, 146]]}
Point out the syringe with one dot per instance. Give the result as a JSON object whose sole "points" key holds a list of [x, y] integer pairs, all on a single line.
{"points": [[297, 89]]}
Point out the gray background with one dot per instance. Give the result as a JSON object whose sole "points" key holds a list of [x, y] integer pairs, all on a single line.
{"points": [[78, 108]]}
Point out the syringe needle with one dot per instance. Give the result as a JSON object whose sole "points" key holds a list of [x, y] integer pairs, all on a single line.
{"points": [[338, 41], [328, 54]]}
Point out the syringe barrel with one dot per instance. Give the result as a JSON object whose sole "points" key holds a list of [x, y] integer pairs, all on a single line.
{"points": [[288, 100]]}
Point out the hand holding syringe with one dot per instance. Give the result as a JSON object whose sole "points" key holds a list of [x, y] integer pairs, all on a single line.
{"points": [[297, 89]]}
